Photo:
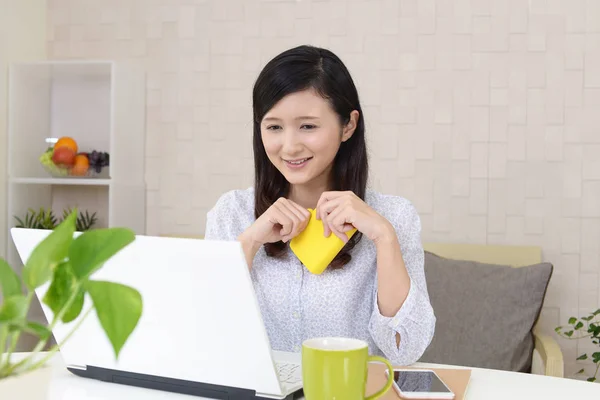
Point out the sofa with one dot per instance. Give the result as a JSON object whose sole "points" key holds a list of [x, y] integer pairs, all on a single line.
{"points": [[466, 270]]}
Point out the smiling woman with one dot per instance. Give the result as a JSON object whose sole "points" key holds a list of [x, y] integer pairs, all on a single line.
{"points": [[303, 119], [294, 141], [310, 153], [303, 148]]}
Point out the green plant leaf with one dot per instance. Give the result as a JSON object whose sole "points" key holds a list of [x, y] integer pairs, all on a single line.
{"points": [[558, 329], [588, 319], [579, 326], [596, 357], [93, 248], [597, 312], [38, 329], [592, 379], [581, 371], [63, 285], [52, 250], [569, 334], [33, 328], [14, 309], [572, 320], [10, 284], [582, 357], [119, 309], [75, 309]]}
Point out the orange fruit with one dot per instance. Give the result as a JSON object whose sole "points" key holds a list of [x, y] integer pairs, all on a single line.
{"points": [[81, 165], [66, 141]]}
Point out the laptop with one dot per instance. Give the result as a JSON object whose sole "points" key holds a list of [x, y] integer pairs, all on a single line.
{"points": [[201, 331]]}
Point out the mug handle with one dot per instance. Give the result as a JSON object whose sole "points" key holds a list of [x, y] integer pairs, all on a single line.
{"points": [[390, 380]]}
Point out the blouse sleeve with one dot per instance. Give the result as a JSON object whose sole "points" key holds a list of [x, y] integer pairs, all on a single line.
{"points": [[223, 221], [415, 321]]}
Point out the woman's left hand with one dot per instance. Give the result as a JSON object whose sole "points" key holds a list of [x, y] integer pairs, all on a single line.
{"points": [[343, 211]]}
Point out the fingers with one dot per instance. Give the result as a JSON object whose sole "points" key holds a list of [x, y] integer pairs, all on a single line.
{"points": [[337, 222], [328, 207], [291, 217], [326, 197], [304, 215], [279, 217], [301, 212], [347, 227], [333, 208], [326, 228], [289, 222]]}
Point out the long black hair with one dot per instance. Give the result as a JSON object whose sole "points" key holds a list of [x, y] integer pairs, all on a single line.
{"points": [[294, 70]]}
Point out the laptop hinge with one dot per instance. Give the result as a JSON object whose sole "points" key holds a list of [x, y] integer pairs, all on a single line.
{"points": [[80, 367]]}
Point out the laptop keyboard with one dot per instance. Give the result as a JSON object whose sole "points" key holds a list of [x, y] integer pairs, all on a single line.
{"points": [[289, 374]]}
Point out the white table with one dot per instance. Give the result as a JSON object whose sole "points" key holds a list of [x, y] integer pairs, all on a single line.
{"points": [[484, 385]]}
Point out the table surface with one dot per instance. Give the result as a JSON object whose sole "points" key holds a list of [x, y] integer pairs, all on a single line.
{"points": [[484, 384]]}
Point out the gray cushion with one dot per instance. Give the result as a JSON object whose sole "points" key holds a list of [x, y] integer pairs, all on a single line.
{"points": [[485, 313]]}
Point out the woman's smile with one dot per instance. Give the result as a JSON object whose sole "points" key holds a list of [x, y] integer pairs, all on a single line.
{"points": [[297, 163]]}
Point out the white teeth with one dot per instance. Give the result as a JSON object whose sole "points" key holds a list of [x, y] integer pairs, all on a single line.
{"points": [[298, 162]]}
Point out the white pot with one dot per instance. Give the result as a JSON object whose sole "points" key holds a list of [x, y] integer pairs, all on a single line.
{"points": [[28, 386]]}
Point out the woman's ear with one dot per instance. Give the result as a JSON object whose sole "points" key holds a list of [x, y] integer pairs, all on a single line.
{"points": [[350, 127]]}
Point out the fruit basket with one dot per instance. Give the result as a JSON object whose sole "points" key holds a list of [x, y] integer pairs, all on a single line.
{"points": [[64, 160]]}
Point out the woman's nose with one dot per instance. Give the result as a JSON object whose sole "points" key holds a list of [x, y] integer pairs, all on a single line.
{"points": [[291, 143]]}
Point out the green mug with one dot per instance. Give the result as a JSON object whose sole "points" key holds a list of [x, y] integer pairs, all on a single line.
{"points": [[335, 368]]}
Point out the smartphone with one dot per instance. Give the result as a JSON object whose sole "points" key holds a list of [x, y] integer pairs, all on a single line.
{"points": [[420, 384]]}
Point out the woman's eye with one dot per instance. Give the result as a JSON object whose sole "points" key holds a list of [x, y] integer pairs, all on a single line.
{"points": [[308, 126], [273, 127]]}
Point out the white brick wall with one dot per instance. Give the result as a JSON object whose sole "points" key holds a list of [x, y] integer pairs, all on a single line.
{"points": [[483, 113]]}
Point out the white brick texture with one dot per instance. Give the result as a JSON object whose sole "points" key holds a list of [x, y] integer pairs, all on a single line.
{"points": [[484, 113]]}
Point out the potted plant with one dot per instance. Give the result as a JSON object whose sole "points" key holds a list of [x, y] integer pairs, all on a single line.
{"points": [[65, 264], [45, 219], [587, 327]]}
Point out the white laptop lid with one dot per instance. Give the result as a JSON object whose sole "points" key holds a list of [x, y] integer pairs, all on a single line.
{"points": [[201, 321]]}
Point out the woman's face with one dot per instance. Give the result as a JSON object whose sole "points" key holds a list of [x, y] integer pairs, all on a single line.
{"points": [[302, 134]]}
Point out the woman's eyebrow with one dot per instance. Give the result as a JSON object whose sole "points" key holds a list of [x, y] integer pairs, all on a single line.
{"points": [[307, 117], [297, 118]]}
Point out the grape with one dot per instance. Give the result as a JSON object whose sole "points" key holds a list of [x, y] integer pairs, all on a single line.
{"points": [[46, 158], [46, 161], [94, 157], [98, 159]]}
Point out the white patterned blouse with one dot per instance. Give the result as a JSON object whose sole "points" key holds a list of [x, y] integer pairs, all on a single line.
{"points": [[297, 305]]}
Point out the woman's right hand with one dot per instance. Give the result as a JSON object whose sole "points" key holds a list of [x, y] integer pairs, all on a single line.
{"points": [[283, 221]]}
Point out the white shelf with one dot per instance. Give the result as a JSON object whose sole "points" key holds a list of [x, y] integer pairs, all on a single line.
{"points": [[100, 104], [61, 181]]}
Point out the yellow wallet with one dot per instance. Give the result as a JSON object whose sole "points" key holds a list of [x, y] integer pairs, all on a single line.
{"points": [[315, 250]]}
